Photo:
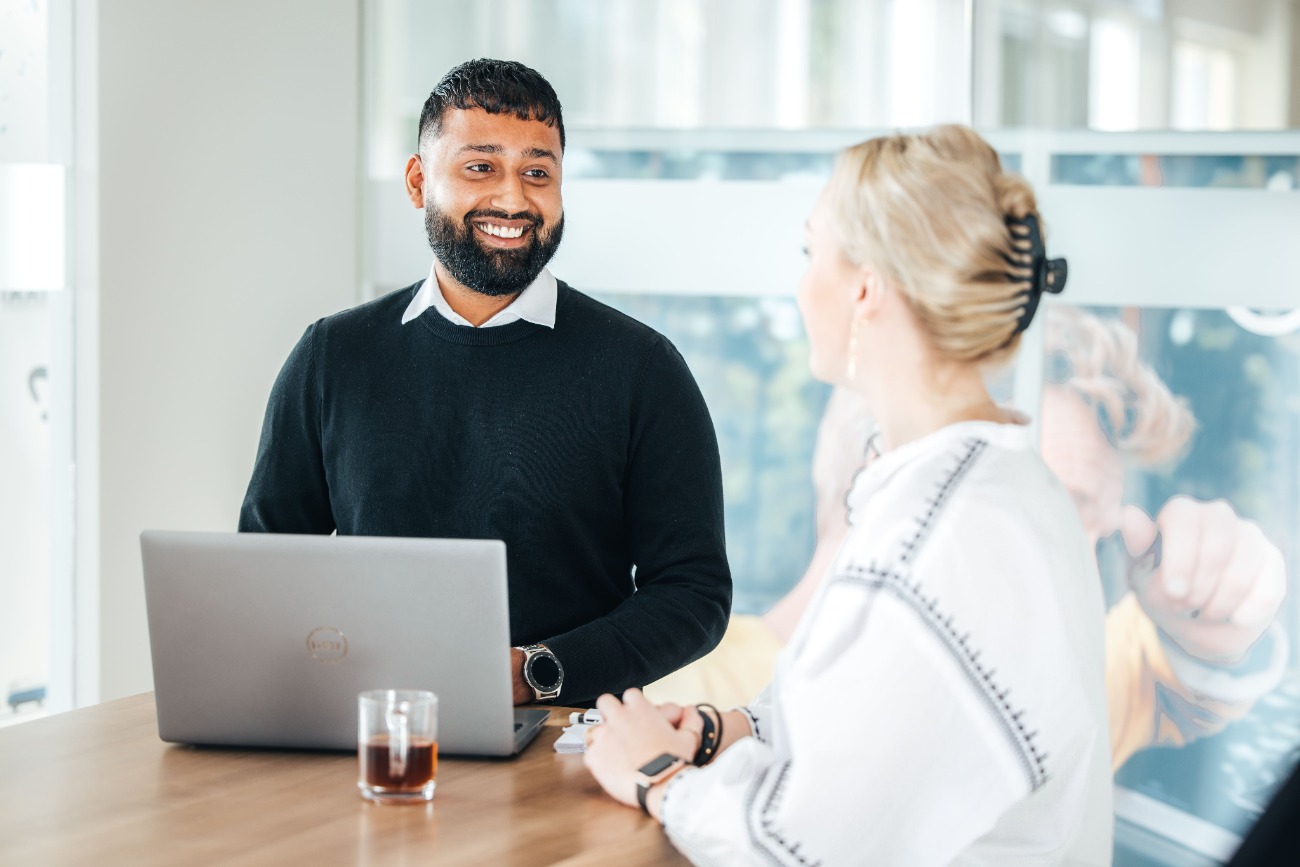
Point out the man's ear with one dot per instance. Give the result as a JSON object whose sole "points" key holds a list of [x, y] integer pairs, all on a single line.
{"points": [[415, 181]]}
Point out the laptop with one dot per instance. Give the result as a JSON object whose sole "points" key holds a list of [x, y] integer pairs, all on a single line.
{"points": [[264, 640]]}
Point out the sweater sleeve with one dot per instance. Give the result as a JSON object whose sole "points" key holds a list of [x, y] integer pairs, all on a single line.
{"points": [[672, 504], [288, 492]]}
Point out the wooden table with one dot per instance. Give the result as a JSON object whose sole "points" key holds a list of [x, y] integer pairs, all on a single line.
{"points": [[97, 786]]}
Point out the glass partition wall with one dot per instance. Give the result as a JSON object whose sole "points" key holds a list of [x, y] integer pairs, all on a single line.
{"points": [[1160, 136], [35, 361]]}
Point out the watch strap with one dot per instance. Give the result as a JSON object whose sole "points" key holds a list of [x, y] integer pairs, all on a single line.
{"points": [[644, 785], [642, 790]]}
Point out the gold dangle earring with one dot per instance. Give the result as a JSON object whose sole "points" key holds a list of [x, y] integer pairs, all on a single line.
{"points": [[852, 371]]}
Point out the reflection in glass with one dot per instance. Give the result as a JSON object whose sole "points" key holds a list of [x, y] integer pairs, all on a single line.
{"points": [[750, 358], [1180, 425]]}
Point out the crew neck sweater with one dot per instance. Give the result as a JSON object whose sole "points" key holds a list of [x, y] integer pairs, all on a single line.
{"points": [[586, 448]]}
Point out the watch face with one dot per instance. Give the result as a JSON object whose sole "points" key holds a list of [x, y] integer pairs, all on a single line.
{"points": [[545, 671], [657, 766]]}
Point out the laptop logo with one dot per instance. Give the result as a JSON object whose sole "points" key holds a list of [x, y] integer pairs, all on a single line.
{"points": [[327, 644]]}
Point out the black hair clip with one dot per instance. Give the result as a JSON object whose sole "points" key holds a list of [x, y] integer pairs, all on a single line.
{"points": [[1029, 259]]}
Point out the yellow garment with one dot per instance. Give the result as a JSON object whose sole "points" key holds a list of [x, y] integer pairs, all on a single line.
{"points": [[733, 674], [1149, 706]]}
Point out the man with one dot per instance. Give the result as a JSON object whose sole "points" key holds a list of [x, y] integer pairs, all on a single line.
{"points": [[492, 401]]}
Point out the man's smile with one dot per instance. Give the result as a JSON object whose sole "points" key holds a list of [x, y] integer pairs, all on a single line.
{"points": [[504, 233]]}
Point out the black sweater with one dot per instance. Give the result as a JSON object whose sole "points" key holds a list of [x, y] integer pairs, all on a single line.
{"points": [[587, 448]]}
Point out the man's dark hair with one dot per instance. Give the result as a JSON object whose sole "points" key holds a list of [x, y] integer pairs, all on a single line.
{"points": [[497, 87]]}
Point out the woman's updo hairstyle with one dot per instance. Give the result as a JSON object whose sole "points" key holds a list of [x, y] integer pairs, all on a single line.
{"points": [[929, 213]]}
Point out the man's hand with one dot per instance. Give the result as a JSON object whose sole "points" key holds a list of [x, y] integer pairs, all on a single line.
{"points": [[523, 693], [1219, 583], [634, 731]]}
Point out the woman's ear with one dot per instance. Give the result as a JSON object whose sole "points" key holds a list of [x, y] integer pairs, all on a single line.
{"points": [[869, 294]]}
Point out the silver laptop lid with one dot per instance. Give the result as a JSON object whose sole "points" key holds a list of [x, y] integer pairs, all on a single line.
{"points": [[265, 640]]}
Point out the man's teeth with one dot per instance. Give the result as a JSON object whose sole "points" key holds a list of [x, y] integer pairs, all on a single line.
{"points": [[501, 231]]}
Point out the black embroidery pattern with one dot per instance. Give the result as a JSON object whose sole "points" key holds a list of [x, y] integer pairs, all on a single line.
{"points": [[753, 723], [934, 505], [898, 581], [761, 827]]}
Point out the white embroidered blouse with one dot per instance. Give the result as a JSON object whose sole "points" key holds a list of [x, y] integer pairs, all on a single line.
{"points": [[942, 700]]}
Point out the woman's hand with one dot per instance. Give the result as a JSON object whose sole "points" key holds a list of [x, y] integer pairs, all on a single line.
{"points": [[672, 712], [633, 732]]}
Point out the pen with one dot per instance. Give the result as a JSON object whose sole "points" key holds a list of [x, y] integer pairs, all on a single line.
{"points": [[587, 717]]}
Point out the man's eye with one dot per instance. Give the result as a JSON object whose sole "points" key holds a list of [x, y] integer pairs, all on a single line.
{"points": [[480, 167], [537, 173]]}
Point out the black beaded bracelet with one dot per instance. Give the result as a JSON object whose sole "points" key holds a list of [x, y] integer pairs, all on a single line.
{"points": [[710, 735]]}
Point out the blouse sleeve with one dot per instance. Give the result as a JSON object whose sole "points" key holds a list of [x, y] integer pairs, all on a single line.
{"points": [[861, 780], [759, 714]]}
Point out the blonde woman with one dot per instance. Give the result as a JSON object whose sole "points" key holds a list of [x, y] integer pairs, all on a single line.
{"points": [[1170, 677], [941, 700]]}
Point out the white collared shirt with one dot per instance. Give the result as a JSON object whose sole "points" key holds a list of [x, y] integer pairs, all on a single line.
{"points": [[535, 304]]}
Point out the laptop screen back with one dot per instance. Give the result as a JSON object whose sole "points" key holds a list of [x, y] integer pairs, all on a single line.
{"points": [[265, 640]]}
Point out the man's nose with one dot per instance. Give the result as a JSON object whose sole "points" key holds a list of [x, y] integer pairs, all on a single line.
{"points": [[508, 194]]}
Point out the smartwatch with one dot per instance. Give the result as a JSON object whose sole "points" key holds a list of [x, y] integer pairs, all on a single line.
{"points": [[542, 671], [655, 771]]}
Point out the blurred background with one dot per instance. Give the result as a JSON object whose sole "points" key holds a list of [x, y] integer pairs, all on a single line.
{"points": [[185, 185]]}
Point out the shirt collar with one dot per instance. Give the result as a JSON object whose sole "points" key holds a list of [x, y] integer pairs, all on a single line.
{"points": [[536, 304]]}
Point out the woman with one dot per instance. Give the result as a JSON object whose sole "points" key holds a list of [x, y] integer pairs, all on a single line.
{"points": [[1170, 678], [941, 700]]}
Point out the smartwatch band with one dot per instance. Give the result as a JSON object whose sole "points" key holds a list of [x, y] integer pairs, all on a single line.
{"points": [[653, 773], [642, 790]]}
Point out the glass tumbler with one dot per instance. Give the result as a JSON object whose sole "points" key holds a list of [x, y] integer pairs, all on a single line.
{"points": [[397, 745]]}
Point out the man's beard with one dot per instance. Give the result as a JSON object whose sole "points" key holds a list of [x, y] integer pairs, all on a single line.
{"points": [[490, 272]]}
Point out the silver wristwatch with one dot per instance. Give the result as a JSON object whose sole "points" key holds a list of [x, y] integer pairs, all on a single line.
{"points": [[542, 671]]}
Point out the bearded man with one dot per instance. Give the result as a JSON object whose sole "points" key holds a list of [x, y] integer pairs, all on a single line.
{"points": [[492, 401]]}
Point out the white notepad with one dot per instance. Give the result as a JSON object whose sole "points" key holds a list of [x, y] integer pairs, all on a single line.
{"points": [[573, 739]]}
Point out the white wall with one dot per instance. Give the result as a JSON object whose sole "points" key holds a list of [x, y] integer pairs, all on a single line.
{"points": [[225, 187]]}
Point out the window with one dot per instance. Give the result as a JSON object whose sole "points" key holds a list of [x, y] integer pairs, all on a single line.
{"points": [[35, 360], [750, 358], [677, 125]]}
